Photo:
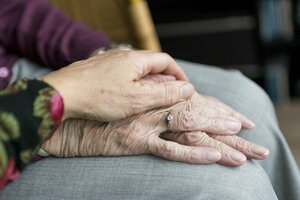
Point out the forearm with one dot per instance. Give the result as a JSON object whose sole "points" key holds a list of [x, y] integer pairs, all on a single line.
{"points": [[36, 30], [30, 112]]}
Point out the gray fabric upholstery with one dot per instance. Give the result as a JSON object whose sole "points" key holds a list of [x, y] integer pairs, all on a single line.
{"points": [[138, 177]]}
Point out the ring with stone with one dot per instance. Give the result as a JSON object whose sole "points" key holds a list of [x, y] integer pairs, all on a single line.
{"points": [[169, 118]]}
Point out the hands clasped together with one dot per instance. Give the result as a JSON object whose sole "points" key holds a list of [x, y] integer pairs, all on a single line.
{"points": [[116, 104]]}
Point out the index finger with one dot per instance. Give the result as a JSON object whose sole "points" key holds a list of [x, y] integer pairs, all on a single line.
{"points": [[177, 152]]}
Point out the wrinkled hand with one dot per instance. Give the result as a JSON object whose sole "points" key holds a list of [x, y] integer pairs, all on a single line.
{"points": [[107, 87], [134, 136], [143, 133], [209, 109]]}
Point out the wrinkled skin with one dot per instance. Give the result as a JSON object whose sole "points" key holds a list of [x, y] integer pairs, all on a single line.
{"points": [[199, 134], [108, 87]]}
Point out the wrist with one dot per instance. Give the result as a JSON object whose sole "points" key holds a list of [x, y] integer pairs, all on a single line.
{"points": [[59, 107]]}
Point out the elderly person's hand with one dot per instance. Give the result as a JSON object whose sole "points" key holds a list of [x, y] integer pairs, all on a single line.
{"points": [[141, 134], [205, 106], [107, 87]]}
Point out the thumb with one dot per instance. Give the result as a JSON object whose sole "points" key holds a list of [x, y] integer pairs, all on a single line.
{"points": [[169, 93], [158, 78]]}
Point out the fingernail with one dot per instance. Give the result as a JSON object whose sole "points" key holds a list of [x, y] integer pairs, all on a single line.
{"points": [[248, 122], [259, 150], [237, 157], [233, 125], [212, 156], [186, 90]]}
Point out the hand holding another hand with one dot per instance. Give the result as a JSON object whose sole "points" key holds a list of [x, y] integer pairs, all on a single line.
{"points": [[107, 87], [201, 133]]}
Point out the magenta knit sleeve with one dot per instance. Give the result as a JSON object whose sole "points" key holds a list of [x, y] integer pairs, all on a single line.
{"points": [[40, 32]]}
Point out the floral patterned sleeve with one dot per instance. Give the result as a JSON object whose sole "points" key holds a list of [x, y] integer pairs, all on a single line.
{"points": [[30, 112]]}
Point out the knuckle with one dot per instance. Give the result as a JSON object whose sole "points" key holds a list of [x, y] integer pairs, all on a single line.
{"points": [[190, 138], [171, 94], [212, 124], [222, 124], [187, 121], [168, 151], [242, 145], [217, 124], [138, 59], [193, 155], [194, 138], [167, 58], [233, 140], [218, 146]]}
